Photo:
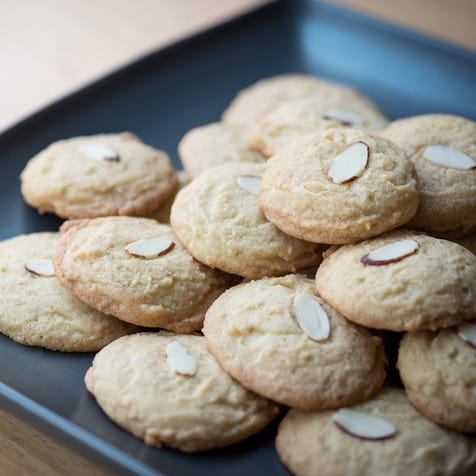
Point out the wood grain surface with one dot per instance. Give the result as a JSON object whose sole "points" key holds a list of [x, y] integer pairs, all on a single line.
{"points": [[25, 451], [51, 47]]}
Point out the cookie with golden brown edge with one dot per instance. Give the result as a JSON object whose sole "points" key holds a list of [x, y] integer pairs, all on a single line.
{"points": [[100, 175], [137, 270], [401, 281], [443, 149], [438, 370], [36, 310], [168, 390], [330, 106], [215, 144], [384, 435], [280, 339], [339, 186], [217, 218]]}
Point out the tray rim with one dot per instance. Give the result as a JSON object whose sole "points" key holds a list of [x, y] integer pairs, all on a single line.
{"points": [[47, 421]]}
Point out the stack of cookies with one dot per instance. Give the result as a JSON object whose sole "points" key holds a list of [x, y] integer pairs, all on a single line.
{"points": [[308, 257]]}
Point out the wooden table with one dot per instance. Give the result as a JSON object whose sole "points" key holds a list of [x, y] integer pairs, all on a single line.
{"points": [[51, 47]]}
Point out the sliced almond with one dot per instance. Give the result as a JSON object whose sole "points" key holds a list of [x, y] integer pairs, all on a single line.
{"points": [[99, 151], [391, 253], [40, 266], [349, 164], [447, 156], [346, 118], [250, 183], [311, 317], [179, 360], [467, 332], [362, 425], [150, 247]]}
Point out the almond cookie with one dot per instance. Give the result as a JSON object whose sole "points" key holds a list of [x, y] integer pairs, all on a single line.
{"points": [[215, 144], [384, 435], [401, 281], [168, 390], [330, 106], [339, 186], [443, 149], [280, 339], [107, 174], [252, 102], [137, 270], [217, 218], [438, 370], [36, 310]]}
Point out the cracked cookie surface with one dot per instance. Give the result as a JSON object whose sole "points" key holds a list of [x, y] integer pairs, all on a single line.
{"points": [[170, 290], [100, 175], [37, 310], [133, 383]]}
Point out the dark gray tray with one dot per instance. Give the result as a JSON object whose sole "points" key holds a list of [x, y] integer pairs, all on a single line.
{"points": [[162, 96]]}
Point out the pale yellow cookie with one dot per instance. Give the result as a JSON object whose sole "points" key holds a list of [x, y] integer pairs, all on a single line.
{"points": [[168, 390], [401, 281], [330, 106], [443, 149], [137, 270], [339, 186], [217, 218], [36, 310], [312, 443], [106, 174], [215, 144], [280, 339], [438, 370]]}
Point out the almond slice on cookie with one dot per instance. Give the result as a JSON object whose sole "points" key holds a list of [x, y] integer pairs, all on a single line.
{"points": [[349, 164]]}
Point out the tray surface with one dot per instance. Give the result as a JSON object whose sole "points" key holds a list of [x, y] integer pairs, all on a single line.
{"points": [[160, 98]]}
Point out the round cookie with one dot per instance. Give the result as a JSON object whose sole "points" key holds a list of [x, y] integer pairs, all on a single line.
{"points": [[448, 194], [339, 186], [136, 383], [329, 107], [137, 270], [310, 443], [262, 334], [252, 102], [217, 218], [162, 214], [36, 310], [418, 283], [215, 144], [107, 174], [438, 370]]}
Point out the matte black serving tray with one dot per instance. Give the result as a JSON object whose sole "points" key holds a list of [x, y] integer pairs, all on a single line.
{"points": [[162, 96]]}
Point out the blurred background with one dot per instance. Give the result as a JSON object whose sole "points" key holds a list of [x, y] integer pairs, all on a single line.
{"points": [[49, 48]]}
